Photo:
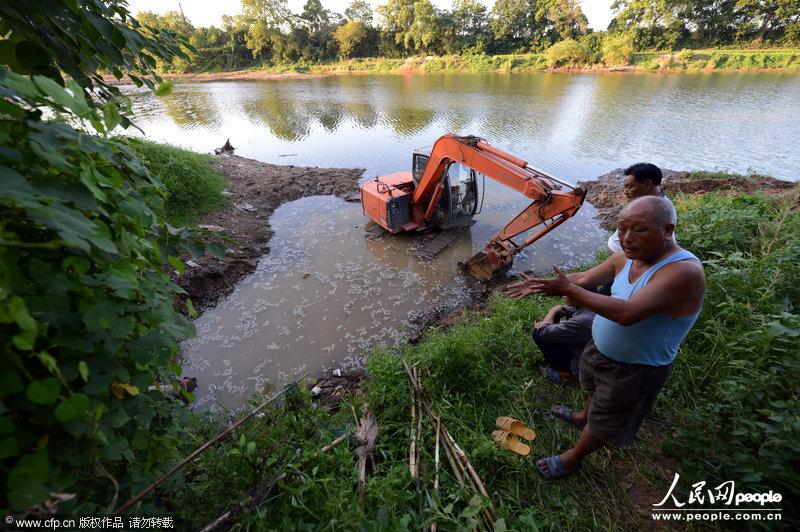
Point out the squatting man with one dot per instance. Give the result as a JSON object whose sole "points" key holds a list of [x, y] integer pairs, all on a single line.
{"points": [[656, 296]]}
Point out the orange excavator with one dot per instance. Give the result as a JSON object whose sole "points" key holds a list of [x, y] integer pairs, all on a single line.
{"points": [[441, 191]]}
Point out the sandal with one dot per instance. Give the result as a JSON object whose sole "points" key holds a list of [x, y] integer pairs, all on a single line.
{"points": [[555, 467], [509, 441], [559, 377], [565, 413], [516, 427]]}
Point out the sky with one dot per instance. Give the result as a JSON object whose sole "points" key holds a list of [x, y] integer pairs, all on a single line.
{"points": [[209, 12]]}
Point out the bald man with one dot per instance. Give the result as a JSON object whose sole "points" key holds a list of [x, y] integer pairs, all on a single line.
{"points": [[656, 297]]}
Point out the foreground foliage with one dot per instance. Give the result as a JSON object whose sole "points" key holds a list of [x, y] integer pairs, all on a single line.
{"points": [[729, 410], [86, 304]]}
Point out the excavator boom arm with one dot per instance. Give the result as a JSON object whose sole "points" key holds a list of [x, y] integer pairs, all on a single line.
{"points": [[550, 208]]}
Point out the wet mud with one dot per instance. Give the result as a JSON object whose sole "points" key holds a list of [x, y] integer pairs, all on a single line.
{"points": [[254, 190]]}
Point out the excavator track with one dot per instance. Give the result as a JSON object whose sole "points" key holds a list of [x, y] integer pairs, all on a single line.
{"points": [[431, 244]]}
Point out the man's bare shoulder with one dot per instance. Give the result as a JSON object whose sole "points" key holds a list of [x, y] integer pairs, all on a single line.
{"points": [[684, 271]]}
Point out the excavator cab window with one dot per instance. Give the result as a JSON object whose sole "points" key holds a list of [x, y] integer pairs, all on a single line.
{"points": [[460, 198], [418, 167]]}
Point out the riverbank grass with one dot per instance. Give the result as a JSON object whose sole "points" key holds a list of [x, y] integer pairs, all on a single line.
{"points": [[728, 412], [684, 60], [194, 185]]}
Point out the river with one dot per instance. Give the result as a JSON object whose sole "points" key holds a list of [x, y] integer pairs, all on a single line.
{"points": [[329, 291]]}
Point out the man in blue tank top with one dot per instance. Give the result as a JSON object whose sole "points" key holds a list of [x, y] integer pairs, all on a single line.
{"points": [[656, 297]]}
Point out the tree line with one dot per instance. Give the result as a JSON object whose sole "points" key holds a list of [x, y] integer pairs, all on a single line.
{"points": [[268, 32]]}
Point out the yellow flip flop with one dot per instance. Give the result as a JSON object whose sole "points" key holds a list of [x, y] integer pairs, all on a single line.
{"points": [[516, 427], [509, 441]]}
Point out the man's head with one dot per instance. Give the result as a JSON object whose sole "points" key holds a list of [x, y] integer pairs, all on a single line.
{"points": [[641, 179], [645, 227]]}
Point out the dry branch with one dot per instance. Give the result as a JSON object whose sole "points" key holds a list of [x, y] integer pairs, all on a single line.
{"points": [[365, 436]]}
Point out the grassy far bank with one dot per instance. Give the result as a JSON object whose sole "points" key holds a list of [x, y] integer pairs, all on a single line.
{"points": [[728, 412], [685, 60]]}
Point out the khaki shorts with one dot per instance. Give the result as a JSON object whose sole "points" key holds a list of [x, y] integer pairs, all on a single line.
{"points": [[622, 394]]}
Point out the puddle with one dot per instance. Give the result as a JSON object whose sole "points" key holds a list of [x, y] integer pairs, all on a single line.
{"points": [[330, 290]]}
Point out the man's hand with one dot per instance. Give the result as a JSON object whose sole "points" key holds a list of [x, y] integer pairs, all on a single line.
{"points": [[551, 318], [519, 289], [560, 285]]}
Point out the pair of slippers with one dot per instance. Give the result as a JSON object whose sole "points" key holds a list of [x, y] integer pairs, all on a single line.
{"points": [[508, 437]]}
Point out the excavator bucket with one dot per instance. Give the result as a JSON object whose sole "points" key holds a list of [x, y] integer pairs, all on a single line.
{"points": [[489, 263]]}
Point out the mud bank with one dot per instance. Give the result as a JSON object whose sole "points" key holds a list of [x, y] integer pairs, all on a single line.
{"points": [[254, 190], [605, 192]]}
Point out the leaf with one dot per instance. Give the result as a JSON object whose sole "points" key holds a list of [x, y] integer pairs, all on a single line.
{"points": [[500, 525], [56, 92], [83, 369], [26, 493], [216, 249], [164, 89], [79, 264], [6, 425], [49, 362], [8, 447], [177, 264], [72, 409], [119, 389], [44, 392], [19, 311], [111, 115], [10, 383]]}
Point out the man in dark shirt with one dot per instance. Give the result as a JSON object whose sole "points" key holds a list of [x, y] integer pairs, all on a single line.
{"points": [[562, 342]]}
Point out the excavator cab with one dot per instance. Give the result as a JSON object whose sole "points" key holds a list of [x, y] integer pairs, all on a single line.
{"points": [[459, 200]]}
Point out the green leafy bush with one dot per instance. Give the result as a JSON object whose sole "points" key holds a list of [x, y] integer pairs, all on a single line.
{"points": [[568, 52], [739, 367], [87, 311], [618, 49]]}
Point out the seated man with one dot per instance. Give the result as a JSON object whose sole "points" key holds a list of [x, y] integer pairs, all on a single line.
{"points": [[656, 297], [641, 179], [562, 342]]}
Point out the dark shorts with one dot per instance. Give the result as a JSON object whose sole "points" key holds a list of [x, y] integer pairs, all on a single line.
{"points": [[622, 394]]}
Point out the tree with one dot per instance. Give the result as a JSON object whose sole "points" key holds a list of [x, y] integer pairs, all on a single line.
{"points": [[470, 24], [517, 24], [424, 29], [566, 19], [359, 11], [81, 40], [348, 36], [396, 18]]}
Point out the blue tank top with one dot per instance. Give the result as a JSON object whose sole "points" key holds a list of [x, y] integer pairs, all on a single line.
{"points": [[653, 341]]}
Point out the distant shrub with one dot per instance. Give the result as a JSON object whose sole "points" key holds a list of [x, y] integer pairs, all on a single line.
{"points": [[568, 52], [593, 44], [618, 49]]}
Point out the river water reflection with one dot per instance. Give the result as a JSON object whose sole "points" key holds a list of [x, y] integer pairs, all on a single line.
{"points": [[329, 290]]}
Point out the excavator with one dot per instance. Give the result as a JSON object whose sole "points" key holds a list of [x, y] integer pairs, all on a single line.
{"points": [[441, 191]]}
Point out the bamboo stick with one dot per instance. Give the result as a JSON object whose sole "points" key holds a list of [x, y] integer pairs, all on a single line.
{"points": [[219, 437], [335, 442]]}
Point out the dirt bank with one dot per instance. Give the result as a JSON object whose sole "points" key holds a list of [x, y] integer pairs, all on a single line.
{"points": [[254, 190], [605, 192]]}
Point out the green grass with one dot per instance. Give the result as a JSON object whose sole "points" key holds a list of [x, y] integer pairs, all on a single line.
{"points": [[194, 186], [710, 59], [730, 410]]}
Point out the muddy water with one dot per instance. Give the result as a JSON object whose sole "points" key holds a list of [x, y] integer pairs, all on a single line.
{"points": [[331, 289], [328, 290]]}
